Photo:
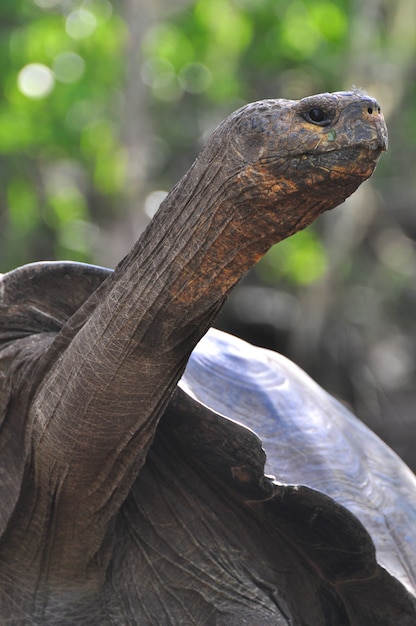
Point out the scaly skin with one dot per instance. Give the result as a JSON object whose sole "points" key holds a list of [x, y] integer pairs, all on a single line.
{"points": [[93, 396]]}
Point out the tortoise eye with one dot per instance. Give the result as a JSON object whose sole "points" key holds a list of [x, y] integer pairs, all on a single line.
{"points": [[317, 116]]}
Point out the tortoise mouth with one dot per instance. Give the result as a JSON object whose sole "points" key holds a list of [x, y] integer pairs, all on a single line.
{"points": [[371, 146], [352, 162], [349, 159]]}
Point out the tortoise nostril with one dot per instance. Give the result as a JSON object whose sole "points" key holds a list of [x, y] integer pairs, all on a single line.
{"points": [[375, 108]]}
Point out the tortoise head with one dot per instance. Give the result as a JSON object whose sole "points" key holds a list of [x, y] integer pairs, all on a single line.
{"points": [[303, 157]]}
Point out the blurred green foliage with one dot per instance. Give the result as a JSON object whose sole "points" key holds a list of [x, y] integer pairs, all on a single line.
{"points": [[104, 105], [60, 151]]}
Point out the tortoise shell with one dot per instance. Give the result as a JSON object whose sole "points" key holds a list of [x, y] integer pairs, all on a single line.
{"points": [[276, 469]]}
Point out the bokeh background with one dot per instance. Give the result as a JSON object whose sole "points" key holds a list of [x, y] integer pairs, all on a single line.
{"points": [[104, 105]]}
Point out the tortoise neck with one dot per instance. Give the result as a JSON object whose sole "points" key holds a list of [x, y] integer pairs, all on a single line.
{"points": [[119, 358], [195, 250]]}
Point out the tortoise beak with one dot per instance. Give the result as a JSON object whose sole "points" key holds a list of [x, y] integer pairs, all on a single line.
{"points": [[363, 123], [375, 118], [374, 124]]}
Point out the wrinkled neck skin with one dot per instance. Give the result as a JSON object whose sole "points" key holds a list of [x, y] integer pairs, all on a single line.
{"points": [[114, 366]]}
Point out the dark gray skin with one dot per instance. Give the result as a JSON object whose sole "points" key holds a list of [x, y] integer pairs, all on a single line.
{"points": [[93, 483]]}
